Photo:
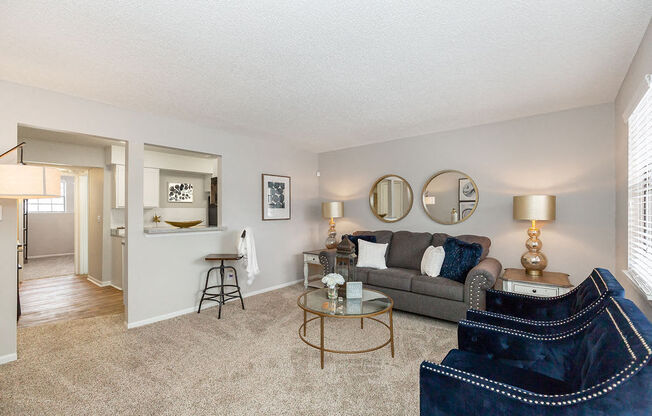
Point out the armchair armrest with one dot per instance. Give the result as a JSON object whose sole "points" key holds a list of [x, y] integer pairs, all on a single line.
{"points": [[525, 306], [510, 344], [447, 391], [479, 279], [537, 326]]}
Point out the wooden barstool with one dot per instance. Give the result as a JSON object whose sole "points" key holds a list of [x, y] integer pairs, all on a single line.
{"points": [[221, 298]]}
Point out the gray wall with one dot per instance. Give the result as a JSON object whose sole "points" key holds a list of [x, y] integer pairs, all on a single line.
{"points": [[631, 90], [569, 154], [52, 233]]}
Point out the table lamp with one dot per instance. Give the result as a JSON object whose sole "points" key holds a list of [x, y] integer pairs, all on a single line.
{"points": [[534, 208], [334, 209]]}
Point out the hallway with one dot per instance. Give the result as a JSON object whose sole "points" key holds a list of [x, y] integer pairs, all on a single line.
{"points": [[38, 268], [66, 298]]}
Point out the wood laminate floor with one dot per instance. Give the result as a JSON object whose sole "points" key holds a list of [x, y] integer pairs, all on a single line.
{"points": [[64, 298]]}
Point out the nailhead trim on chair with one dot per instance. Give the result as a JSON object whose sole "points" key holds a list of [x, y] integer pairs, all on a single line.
{"points": [[544, 323], [589, 393], [568, 398], [475, 290], [632, 326]]}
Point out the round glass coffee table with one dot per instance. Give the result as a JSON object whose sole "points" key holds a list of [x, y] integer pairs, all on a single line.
{"points": [[373, 303]]}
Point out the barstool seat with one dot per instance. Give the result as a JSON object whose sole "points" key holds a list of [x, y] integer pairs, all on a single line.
{"points": [[221, 297]]}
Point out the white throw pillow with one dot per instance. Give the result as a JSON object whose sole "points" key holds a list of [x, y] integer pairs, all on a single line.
{"points": [[432, 261], [371, 254]]}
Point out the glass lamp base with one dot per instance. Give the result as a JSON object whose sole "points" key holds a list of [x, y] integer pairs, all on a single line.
{"points": [[331, 241]]}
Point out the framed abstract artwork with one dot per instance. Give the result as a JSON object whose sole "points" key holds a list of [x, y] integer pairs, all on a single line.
{"points": [[466, 190], [276, 197], [180, 192], [466, 208]]}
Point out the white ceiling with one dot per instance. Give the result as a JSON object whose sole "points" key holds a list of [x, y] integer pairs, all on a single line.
{"points": [[326, 74]]}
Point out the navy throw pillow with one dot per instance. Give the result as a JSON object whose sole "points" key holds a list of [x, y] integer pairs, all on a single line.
{"points": [[459, 258], [354, 239]]}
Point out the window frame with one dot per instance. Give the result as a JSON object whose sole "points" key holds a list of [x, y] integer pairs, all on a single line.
{"points": [[639, 194], [46, 205]]}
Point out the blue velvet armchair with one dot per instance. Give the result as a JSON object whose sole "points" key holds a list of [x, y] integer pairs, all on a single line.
{"points": [[602, 367], [549, 315]]}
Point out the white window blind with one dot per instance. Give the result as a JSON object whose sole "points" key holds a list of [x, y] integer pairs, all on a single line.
{"points": [[639, 259]]}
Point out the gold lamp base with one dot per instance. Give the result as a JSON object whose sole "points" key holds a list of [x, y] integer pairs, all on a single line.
{"points": [[331, 240], [533, 260]]}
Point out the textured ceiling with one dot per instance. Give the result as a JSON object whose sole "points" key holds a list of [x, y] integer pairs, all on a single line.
{"points": [[326, 74]]}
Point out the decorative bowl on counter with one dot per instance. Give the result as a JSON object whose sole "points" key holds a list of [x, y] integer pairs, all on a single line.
{"points": [[184, 224]]}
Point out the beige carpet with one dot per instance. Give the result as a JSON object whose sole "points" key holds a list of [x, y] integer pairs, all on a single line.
{"points": [[248, 363], [48, 267]]}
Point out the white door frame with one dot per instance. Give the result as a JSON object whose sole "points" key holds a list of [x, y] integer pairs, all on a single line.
{"points": [[81, 224]]}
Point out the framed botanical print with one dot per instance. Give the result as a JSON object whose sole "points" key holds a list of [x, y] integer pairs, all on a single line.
{"points": [[180, 192], [466, 190], [276, 197]]}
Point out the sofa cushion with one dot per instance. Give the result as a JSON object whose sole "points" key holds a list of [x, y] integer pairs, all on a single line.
{"points": [[382, 237], [460, 258], [393, 278], [500, 371], [407, 248], [372, 255], [438, 239], [362, 274], [439, 287], [484, 242]]}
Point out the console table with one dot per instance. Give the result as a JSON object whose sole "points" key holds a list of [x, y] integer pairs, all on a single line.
{"points": [[312, 257], [547, 285]]}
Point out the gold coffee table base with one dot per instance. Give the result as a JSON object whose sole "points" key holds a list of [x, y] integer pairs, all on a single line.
{"points": [[322, 349]]}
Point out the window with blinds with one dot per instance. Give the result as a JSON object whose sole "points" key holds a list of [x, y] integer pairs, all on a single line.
{"points": [[640, 195]]}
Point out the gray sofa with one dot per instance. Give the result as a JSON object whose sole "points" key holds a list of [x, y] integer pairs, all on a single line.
{"points": [[437, 297]]}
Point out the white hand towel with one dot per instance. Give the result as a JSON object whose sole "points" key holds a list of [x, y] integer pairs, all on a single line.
{"points": [[247, 248]]}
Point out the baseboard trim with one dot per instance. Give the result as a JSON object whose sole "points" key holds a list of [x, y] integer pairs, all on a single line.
{"points": [[8, 358], [271, 288], [210, 305], [49, 255], [97, 282], [167, 316], [115, 287]]}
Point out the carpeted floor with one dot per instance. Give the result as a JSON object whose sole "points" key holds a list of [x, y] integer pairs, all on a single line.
{"points": [[250, 362], [48, 267]]}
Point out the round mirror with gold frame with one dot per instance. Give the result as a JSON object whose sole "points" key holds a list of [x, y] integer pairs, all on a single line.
{"points": [[449, 197], [390, 198]]}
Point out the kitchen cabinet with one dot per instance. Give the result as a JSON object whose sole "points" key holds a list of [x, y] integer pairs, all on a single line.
{"points": [[150, 187], [119, 186], [117, 263]]}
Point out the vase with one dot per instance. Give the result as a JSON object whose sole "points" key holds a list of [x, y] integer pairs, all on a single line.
{"points": [[332, 292]]}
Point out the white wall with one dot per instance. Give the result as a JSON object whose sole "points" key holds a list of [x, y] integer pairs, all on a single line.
{"points": [[165, 272], [568, 154], [45, 151], [631, 90]]}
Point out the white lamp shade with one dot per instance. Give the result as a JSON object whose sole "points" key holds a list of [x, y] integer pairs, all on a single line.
{"points": [[28, 182]]}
